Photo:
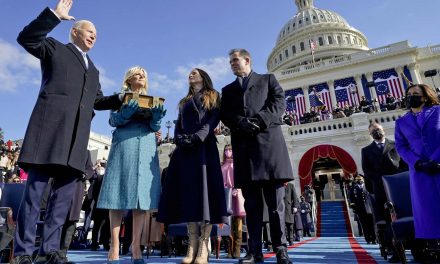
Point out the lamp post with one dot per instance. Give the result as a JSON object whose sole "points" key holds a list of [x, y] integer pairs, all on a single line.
{"points": [[168, 125], [431, 73]]}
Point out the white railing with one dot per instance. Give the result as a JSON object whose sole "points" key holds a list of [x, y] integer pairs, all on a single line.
{"points": [[344, 125], [347, 59]]}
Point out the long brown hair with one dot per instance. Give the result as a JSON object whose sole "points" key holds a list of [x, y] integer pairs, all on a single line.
{"points": [[210, 97], [428, 92]]}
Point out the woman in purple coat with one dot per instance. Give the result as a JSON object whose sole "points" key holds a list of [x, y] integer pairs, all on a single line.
{"points": [[418, 143]]}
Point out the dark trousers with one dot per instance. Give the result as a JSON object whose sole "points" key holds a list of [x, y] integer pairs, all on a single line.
{"points": [[274, 197], [289, 233], [58, 206]]}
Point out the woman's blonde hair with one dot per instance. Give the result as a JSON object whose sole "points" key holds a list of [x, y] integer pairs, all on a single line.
{"points": [[210, 97], [130, 73]]}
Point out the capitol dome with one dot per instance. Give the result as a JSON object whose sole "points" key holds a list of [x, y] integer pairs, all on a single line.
{"points": [[330, 32]]}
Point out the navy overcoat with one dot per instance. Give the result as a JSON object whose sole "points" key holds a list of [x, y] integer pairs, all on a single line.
{"points": [[262, 157], [59, 127]]}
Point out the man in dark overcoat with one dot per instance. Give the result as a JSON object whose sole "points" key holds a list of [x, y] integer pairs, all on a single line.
{"points": [[378, 159], [55, 144], [292, 215], [252, 107]]}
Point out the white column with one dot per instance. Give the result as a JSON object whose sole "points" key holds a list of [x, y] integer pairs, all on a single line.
{"points": [[376, 105], [360, 88], [414, 70], [306, 97], [331, 87]]}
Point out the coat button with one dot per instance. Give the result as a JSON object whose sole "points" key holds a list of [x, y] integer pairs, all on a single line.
{"points": [[81, 106]]}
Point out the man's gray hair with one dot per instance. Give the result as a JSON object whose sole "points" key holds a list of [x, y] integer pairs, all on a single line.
{"points": [[77, 25]]}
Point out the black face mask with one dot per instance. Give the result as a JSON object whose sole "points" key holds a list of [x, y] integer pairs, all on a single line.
{"points": [[377, 134], [414, 101]]}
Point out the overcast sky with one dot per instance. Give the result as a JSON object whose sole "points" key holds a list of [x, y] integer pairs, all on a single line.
{"points": [[170, 37]]}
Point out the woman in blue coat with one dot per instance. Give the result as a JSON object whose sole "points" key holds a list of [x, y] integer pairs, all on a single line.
{"points": [[417, 137], [193, 189], [132, 176]]}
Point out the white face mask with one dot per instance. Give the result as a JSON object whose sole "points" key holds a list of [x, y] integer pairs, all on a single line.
{"points": [[100, 171]]}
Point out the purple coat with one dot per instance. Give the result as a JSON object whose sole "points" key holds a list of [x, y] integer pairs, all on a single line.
{"points": [[418, 137]]}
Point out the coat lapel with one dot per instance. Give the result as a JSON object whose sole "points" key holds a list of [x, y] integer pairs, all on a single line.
{"points": [[78, 55]]}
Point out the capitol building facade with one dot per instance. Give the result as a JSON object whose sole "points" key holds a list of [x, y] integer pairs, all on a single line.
{"points": [[318, 54]]}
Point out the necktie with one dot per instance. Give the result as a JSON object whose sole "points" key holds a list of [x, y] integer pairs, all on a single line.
{"points": [[244, 83], [380, 145], [86, 61]]}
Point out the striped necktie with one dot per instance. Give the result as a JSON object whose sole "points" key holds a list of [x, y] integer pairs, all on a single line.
{"points": [[86, 61]]}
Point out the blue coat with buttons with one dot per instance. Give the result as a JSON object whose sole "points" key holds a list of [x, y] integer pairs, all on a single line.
{"points": [[132, 176]]}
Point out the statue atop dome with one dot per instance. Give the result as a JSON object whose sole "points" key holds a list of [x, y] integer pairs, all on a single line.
{"points": [[303, 4]]}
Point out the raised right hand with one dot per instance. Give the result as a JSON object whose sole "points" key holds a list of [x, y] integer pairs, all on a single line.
{"points": [[129, 109], [62, 9]]}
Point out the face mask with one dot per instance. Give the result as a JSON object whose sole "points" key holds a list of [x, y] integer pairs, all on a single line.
{"points": [[377, 134], [359, 182], [228, 153], [414, 101]]}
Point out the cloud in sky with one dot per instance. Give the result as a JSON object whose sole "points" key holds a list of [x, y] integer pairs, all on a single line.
{"points": [[17, 67], [217, 68], [107, 84]]}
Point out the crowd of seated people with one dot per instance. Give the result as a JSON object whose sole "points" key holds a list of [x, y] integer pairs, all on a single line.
{"points": [[9, 170], [316, 114]]}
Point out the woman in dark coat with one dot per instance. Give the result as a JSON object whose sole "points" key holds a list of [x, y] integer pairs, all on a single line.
{"points": [[193, 190], [417, 137]]}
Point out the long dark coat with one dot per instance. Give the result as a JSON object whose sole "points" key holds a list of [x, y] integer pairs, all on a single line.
{"points": [[261, 157], [418, 138], [291, 201], [59, 127], [377, 163], [193, 187]]}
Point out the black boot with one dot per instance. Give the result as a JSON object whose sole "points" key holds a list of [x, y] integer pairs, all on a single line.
{"points": [[282, 256]]}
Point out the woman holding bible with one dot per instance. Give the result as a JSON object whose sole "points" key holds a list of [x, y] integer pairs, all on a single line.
{"points": [[132, 177]]}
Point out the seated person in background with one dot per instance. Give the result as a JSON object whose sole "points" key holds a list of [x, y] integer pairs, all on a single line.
{"points": [[348, 110], [365, 105], [390, 102], [337, 112]]}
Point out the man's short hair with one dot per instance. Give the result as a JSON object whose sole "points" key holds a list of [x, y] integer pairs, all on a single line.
{"points": [[241, 52], [374, 123]]}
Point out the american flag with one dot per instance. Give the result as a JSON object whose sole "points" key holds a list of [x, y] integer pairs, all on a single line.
{"points": [[295, 101], [346, 92], [313, 45], [388, 82], [320, 95]]}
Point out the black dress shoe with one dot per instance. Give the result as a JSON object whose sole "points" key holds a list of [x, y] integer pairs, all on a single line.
{"points": [[259, 258], [248, 259], [282, 256], [394, 259], [25, 259], [53, 257]]}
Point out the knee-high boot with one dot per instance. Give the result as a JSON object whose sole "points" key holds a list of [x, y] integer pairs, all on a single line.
{"points": [[237, 236], [203, 254], [193, 244]]}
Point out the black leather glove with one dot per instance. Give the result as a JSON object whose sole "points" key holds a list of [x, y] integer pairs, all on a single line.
{"points": [[429, 166], [187, 141], [248, 126]]}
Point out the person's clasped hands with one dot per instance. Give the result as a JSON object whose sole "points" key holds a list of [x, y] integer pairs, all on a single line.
{"points": [[157, 113], [187, 141], [127, 110], [427, 166]]}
